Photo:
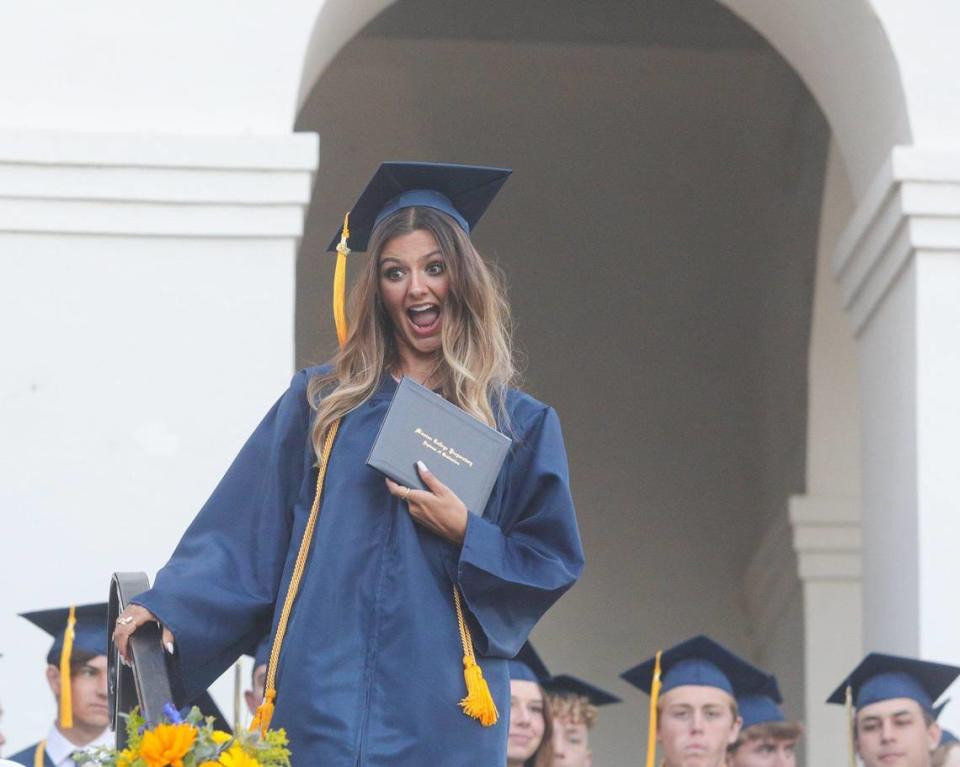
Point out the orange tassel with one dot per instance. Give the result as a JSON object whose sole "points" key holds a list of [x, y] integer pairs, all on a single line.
{"points": [[479, 703], [654, 702], [66, 690], [261, 719], [340, 283]]}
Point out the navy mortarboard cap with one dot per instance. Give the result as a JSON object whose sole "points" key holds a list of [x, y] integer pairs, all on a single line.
{"points": [[885, 677], [89, 629], [564, 684], [761, 706], [528, 667], [76, 628], [698, 661], [463, 192]]}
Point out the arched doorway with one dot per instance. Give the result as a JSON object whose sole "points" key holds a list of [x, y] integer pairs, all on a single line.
{"points": [[659, 236]]}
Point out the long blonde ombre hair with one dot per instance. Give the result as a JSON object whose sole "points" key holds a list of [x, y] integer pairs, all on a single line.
{"points": [[475, 363]]}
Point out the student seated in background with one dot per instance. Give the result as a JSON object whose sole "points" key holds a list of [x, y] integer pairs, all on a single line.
{"points": [[573, 709], [573, 704], [894, 720], [77, 675], [766, 738], [693, 708], [530, 737]]}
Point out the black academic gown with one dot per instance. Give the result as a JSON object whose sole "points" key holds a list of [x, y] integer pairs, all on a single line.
{"points": [[28, 755], [371, 671]]}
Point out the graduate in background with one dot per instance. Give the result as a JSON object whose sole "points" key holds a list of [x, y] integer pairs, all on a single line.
{"points": [[258, 676], [573, 704], [766, 738], [530, 737], [389, 605], [573, 709], [891, 702], [693, 688], [77, 675]]}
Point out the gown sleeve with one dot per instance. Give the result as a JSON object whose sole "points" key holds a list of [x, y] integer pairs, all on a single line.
{"points": [[217, 592], [511, 572]]}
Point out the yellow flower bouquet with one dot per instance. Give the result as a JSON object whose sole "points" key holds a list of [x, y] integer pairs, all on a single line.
{"points": [[189, 741]]}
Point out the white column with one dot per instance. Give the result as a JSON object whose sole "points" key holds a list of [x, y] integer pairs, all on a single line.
{"points": [[146, 311], [826, 537], [826, 519], [899, 269]]}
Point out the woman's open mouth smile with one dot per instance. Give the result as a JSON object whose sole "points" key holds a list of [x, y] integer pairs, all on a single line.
{"points": [[424, 319]]}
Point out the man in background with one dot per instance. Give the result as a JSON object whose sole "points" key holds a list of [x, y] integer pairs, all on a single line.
{"points": [[77, 675]]}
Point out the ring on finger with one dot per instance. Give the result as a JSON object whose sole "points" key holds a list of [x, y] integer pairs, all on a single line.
{"points": [[125, 620], [406, 495]]}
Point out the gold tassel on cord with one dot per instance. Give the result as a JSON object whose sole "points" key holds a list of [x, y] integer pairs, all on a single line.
{"points": [[478, 703], [66, 690], [261, 719], [654, 702], [848, 703], [340, 283]]}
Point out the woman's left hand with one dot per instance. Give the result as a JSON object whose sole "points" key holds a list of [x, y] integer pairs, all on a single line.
{"points": [[437, 508]]}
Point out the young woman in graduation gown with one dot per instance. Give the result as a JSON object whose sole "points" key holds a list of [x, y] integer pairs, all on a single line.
{"points": [[371, 668]]}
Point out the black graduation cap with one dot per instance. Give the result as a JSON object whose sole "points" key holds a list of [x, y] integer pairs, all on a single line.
{"points": [[528, 667], [698, 661], [89, 629], [761, 706], [882, 677], [565, 684], [463, 192]]}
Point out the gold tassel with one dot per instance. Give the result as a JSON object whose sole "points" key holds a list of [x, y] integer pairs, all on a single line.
{"points": [[261, 720], [654, 701], [848, 704], [478, 703], [264, 713], [340, 283], [66, 690]]}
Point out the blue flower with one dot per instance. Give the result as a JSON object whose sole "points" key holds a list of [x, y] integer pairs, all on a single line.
{"points": [[172, 714]]}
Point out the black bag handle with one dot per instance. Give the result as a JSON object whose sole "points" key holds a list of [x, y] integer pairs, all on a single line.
{"points": [[147, 684]]}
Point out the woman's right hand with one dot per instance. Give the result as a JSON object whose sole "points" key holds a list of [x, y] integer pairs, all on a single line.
{"points": [[132, 618]]}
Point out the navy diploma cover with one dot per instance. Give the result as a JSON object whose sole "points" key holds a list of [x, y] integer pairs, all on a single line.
{"points": [[463, 452]]}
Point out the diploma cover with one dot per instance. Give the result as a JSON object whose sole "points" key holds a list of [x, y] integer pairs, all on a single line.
{"points": [[462, 451]]}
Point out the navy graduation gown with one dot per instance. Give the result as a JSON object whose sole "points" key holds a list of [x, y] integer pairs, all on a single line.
{"points": [[28, 755], [371, 668]]}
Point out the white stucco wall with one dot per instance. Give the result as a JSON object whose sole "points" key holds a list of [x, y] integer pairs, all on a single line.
{"points": [[146, 301]]}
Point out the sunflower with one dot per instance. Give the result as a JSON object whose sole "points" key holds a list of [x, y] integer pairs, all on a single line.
{"points": [[166, 744], [235, 756]]}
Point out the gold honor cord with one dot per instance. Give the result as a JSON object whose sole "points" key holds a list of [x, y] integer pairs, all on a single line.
{"points": [[654, 702], [261, 720], [478, 703], [38, 753], [848, 704], [66, 689], [340, 283]]}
